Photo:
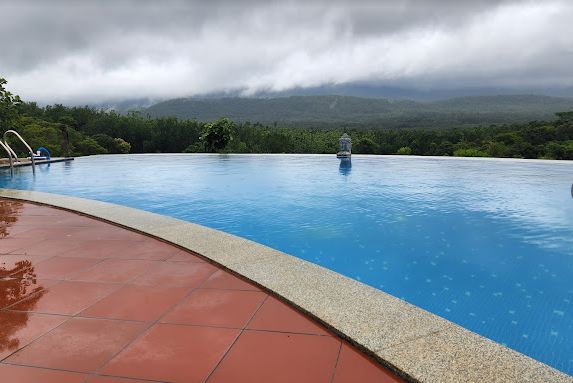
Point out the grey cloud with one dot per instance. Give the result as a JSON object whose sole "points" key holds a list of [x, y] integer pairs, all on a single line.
{"points": [[84, 51]]}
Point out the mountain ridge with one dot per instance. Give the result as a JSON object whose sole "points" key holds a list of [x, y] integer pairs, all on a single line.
{"points": [[329, 110]]}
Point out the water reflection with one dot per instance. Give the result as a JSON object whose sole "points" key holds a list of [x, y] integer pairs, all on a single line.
{"points": [[345, 166], [44, 168], [412, 227], [17, 282], [9, 211]]}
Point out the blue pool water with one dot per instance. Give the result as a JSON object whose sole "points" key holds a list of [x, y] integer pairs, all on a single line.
{"points": [[487, 244]]}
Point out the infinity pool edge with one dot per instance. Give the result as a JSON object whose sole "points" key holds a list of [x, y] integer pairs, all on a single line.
{"points": [[417, 344]]}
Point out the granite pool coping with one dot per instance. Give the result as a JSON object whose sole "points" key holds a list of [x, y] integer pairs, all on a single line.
{"points": [[416, 344]]}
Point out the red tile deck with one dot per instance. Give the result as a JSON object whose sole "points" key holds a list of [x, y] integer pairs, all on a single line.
{"points": [[85, 301]]}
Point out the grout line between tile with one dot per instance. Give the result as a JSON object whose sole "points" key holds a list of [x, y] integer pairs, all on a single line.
{"points": [[218, 266], [235, 340], [149, 326], [28, 297], [114, 259], [336, 364], [238, 328], [77, 316], [88, 376], [70, 317], [33, 340]]}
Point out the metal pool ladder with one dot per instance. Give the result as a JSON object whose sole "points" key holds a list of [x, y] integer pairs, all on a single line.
{"points": [[6, 148], [12, 153]]}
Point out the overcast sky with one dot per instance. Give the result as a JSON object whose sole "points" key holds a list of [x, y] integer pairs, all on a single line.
{"points": [[94, 51]]}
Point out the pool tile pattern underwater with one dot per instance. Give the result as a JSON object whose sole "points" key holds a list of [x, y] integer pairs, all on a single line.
{"points": [[85, 301]]}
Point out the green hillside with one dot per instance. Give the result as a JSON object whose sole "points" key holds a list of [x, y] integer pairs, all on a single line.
{"points": [[328, 111], [84, 130]]}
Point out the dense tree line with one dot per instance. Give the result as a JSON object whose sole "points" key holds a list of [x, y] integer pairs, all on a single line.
{"points": [[549, 140], [85, 131]]}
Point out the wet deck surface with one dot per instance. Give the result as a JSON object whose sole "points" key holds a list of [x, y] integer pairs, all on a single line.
{"points": [[86, 301]]}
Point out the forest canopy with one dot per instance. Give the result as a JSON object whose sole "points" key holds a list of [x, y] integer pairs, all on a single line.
{"points": [[87, 130]]}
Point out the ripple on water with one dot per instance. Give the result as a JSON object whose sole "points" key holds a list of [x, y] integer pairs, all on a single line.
{"points": [[486, 244]]}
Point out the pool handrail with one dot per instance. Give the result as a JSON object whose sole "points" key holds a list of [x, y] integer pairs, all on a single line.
{"points": [[25, 143], [9, 151], [14, 155]]}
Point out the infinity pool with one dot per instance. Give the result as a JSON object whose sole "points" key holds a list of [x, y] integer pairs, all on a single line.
{"points": [[487, 244]]}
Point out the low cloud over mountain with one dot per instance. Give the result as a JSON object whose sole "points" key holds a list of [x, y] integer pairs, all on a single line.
{"points": [[87, 51]]}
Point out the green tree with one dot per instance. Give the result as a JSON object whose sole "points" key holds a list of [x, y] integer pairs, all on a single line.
{"points": [[404, 150], [559, 151], [445, 148], [217, 135], [89, 146], [565, 116], [121, 146], [508, 138], [496, 149], [9, 105], [470, 152], [105, 141], [366, 146]]}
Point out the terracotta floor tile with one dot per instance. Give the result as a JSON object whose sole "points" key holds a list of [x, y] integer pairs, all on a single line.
{"points": [[9, 218], [81, 345], [17, 245], [5, 202], [29, 209], [18, 329], [278, 357], [111, 379], [80, 221], [353, 367], [49, 221], [149, 249], [38, 220], [123, 249], [113, 271], [173, 353], [8, 210], [109, 232], [28, 290], [61, 267], [21, 271], [275, 315], [58, 262], [224, 280], [12, 231], [6, 222], [184, 256], [142, 303], [12, 263], [176, 274], [224, 308], [67, 298], [10, 260], [20, 374], [99, 249], [49, 246], [44, 232], [7, 213]]}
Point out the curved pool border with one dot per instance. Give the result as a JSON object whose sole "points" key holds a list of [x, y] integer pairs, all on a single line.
{"points": [[416, 344]]}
